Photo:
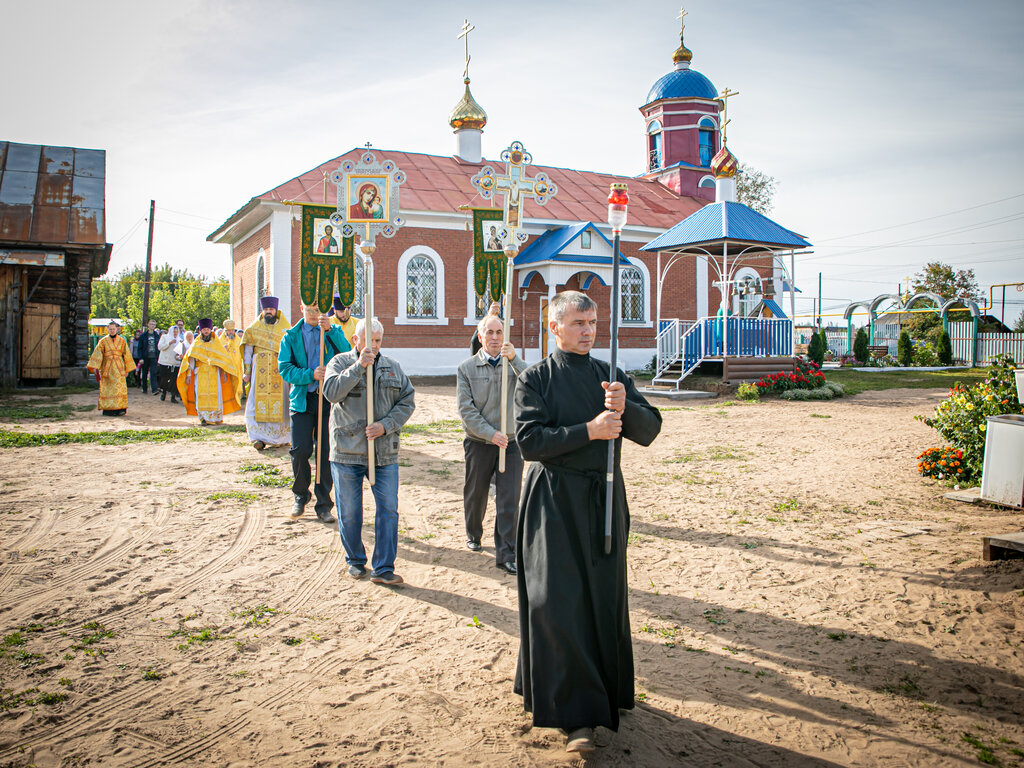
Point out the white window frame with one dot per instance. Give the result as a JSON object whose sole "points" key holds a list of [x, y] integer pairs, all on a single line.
{"points": [[737, 301], [403, 284], [646, 322]]}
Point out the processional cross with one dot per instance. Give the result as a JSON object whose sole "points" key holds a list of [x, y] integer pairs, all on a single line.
{"points": [[514, 186]]}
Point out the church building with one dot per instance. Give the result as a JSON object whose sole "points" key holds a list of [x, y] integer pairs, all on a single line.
{"points": [[423, 292]]}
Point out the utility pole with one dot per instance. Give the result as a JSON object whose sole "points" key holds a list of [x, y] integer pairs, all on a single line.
{"points": [[819, 300], [149, 264]]}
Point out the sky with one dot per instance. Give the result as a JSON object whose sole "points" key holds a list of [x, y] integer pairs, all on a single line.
{"points": [[892, 128]]}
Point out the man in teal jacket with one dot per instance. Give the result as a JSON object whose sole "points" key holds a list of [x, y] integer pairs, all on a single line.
{"points": [[299, 364]]}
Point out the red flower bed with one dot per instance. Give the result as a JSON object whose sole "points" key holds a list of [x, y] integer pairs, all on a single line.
{"points": [[942, 463], [808, 376]]}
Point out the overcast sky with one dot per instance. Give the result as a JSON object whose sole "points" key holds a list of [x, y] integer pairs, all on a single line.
{"points": [[893, 128]]}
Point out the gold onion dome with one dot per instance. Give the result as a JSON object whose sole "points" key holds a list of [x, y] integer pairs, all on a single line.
{"points": [[682, 53], [467, 113], [724, 164]]}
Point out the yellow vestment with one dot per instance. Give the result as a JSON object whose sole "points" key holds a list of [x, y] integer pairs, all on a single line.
{"points": [[234, 348], [348, 328], [213, 363], [266, 387], [113, 361]]}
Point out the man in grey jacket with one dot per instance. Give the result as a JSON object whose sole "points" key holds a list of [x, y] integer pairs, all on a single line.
{"points": [[393, 404], [479, 399]]}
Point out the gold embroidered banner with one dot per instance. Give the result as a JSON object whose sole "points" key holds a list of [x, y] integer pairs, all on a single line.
{"points": [[325, 260]]}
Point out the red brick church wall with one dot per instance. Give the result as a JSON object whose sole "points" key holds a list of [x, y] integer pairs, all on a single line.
{"points": [[245, 256]]}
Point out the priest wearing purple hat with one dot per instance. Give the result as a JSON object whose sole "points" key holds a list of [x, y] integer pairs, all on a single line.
{"points": [[206, 379]]}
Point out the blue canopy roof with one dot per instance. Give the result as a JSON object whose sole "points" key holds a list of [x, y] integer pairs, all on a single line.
{"points": [[726, 221], [776, 310], [549, 246]]}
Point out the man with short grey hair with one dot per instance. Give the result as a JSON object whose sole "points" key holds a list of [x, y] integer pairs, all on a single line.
{"points": [[393, 404], [479, 399]]}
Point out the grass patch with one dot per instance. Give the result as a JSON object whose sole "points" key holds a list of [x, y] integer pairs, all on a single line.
{"points": [[445, 425], [712, 453], [47, 410], [985, 754], [270, 480], [193, 637], [906, 686], [855, 382], [13, 439], [236, 495], [152, 674], [292, 640], [256, 466], [254, 616]]}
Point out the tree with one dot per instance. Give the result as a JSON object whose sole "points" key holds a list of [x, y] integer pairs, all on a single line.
{"points": [[905, 350], [1019, 324], [172, 294], [817, 347], [942, 279], [755, 189], [945, 349], [860, 346]]}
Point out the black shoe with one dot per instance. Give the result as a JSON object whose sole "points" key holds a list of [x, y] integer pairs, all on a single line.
{"points": [[175, 400], [155, 392], [298, 508], [163, 396], [472, 546], [509, 568], [388, 578], [325, 518], [357, 571]]}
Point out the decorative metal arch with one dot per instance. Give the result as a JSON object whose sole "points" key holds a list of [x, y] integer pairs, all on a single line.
{"points": [[878, 301], [848, 312], [924, 295], [969, 303]]}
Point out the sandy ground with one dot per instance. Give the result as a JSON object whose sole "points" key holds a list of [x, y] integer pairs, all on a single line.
{"points": [[799, 597]]}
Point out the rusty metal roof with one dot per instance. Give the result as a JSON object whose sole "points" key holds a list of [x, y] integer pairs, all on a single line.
{"points": [[440, 184], [52, 195]]}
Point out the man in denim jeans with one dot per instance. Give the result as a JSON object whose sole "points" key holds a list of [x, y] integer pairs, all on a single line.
{"points": [[393, 404]]}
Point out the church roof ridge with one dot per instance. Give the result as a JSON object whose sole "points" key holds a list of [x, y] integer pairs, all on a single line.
{"points": [[441, 183]]}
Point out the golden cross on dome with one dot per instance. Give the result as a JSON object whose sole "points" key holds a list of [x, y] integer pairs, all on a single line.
{"points": [[724, 97], [682, 20], [464, 35]]}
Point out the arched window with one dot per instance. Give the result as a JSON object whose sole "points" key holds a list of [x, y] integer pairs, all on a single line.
{"points": [[706, 131], [631, 284], [654, 145], [421, 289], [260, 284], [748, 291], [707, 182], [360, 290]]}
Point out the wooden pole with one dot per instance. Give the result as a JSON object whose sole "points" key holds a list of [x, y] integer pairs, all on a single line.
{"points": [[368, 248], [149, 264], [510, 252], [319, 412]]}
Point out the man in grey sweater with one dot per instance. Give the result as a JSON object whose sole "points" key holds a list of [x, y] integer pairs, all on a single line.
{"points": [[479, 399], [393, 404]]}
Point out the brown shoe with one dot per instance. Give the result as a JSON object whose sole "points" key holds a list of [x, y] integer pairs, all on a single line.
{"points": [[259, 445], [580, 740], [388, 578]]}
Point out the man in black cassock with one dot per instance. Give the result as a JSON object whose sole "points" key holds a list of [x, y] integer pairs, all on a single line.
{"points": [[575, 667]]}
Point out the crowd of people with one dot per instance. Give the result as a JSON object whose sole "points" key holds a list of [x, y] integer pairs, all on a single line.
{"points": [[305, 386]]}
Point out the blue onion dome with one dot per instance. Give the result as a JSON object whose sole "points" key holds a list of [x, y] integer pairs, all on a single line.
{"points": [[682, 82]]}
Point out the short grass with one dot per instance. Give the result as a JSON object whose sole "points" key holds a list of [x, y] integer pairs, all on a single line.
{"points": [[855, 382], [445, 425], [13, 439], [40, 409]]}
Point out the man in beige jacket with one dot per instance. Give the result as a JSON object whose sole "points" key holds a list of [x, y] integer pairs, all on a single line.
{"points": [[479, 399]]}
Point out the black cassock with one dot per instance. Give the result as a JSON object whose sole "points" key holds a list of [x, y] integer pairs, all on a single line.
{"points": [[575, 657]]}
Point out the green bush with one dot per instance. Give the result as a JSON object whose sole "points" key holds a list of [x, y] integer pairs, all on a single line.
{"points": [[925, 355], [961, 419], [837, 389], [860, 345], [945, 349], [825, 392], [748, 392], [905, 350], [817, 347]]}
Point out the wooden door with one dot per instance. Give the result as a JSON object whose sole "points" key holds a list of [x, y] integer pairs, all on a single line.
{"points": [[40, 341], [543, 326]]}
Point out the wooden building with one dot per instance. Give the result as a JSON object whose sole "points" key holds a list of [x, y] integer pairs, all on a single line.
{"points": [[52, 244]]}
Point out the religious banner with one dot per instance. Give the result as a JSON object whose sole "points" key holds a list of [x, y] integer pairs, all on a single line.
{"points": [[489, 259], [326, 264]]}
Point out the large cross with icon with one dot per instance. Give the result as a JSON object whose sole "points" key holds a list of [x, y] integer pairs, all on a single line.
{"points": [[515, 185]]}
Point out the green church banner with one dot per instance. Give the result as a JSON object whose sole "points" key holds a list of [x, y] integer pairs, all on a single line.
{"points": [[489, 260], [326, 260]]}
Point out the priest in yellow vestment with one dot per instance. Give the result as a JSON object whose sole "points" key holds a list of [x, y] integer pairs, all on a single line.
{"points": [[207, 378], [110, 362], [266, 410], [232, 341]]}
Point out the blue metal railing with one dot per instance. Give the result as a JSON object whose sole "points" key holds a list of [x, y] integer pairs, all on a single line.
{"points": [[745, 336]]}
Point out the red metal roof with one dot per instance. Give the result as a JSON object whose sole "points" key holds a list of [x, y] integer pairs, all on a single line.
{"points": [[441, 184]]}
